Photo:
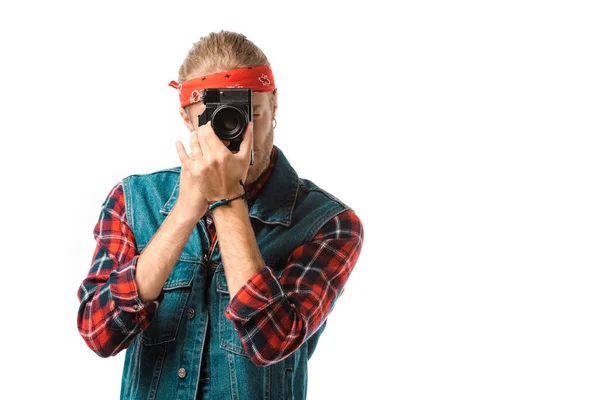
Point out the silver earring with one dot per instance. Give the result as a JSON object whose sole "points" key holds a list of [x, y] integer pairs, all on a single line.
{"points": [[274, 120]]}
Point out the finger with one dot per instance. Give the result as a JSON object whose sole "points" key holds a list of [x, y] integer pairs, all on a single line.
{"points": [[183, 156], [246, 144], [197, 152], [213, 140], [207, 151], [204, 131]]}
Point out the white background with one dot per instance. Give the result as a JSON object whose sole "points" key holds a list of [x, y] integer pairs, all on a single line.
{"points": [[464, 134]]}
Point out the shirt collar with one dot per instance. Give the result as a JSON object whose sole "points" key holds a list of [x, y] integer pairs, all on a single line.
{"points": [[253, 189]]}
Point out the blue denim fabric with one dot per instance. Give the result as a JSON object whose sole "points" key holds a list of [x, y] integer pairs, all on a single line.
{"points": [[189, 336]]}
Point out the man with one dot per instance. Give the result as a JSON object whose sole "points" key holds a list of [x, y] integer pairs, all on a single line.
{"points": [[218, 276]]}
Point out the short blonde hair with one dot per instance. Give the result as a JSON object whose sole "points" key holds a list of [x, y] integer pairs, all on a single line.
{"points": [[220, 51]]}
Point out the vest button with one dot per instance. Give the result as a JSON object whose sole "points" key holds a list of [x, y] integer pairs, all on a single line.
{"points": [[191, 312], [182, 372]]}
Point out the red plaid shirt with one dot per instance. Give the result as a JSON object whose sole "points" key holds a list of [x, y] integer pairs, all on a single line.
{"points": [[273, 316]]}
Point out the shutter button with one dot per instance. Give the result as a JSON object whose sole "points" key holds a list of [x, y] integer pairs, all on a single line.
{"points": [[182, 372], [191, 312]]}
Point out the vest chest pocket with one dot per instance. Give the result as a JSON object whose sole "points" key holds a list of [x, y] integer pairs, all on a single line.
{"points": [[163, 327]]}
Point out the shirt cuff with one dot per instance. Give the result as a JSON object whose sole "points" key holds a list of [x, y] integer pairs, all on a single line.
{"points": [[124, 289], [262, 289]]}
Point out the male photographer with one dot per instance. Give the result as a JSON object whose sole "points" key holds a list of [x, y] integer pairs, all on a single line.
{"points": [[218, 276]]}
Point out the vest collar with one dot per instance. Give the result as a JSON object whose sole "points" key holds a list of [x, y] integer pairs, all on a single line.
{"points": [[276, 200]]}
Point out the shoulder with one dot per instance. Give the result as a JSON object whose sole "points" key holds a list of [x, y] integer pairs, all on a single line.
{"points": [[157, 185], [114, 203], [310, 190], [321, 213], [155, 175], [345, 225], [163, 179]]}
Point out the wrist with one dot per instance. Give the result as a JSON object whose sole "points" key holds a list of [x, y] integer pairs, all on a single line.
{"points": [[185, 215], [238, 205], [225, 200], [232, 195], [228, 194]]}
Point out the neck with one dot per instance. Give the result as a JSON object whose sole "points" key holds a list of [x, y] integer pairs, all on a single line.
{"points": [[262, 171]]}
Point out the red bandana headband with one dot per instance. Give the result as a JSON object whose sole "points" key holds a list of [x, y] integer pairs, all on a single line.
{"points": [[257, 78]]}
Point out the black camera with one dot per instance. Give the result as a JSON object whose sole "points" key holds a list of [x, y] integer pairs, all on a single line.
{"points": [[229, 110]]}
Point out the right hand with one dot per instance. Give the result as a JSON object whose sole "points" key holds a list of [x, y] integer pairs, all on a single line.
{"points": [[191, 199]]}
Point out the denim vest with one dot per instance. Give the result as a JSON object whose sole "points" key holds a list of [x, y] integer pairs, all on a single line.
{"points": [[164, 360]]}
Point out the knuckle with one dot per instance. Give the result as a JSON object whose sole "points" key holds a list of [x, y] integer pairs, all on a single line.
{"points": [[217, 162], [208, 160], [197, 169]]}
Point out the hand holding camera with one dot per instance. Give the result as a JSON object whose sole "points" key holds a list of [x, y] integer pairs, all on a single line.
{"points": [[212, 172]]}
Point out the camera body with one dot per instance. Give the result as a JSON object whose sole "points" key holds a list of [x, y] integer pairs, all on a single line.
{"points": [[229, 110]]}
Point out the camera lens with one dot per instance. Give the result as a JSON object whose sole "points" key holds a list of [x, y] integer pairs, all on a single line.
{"points": [[228, 122]]}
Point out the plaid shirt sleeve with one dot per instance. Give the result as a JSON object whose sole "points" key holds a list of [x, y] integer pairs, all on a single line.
{"points": [[111, 313], [273, 317]]}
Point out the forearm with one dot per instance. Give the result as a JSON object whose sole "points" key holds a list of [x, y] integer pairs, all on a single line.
{"points": [[239, 252], [108, 318], [110, 313], [160, 255], [275, 311]]}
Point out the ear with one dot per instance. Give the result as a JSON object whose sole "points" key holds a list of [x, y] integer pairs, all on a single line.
{"points": [[274, 104], [186, 119]]}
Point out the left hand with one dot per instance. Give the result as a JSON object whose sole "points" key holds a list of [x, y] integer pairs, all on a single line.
{"points": [[219, 170]]}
